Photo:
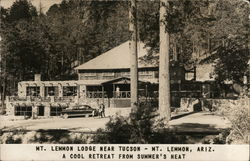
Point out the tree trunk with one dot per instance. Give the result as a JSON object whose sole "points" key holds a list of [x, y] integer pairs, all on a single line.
{"points": [[133, 56], [62, 65], [4, 87], [175, 56], [3, 96], [164, 76], [4, 81], [209, 45]]}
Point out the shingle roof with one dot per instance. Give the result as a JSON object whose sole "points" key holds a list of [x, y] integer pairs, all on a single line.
{"points": [[116, 58]]}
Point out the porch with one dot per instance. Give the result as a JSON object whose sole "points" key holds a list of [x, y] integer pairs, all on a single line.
{"points": [[116, 92]]}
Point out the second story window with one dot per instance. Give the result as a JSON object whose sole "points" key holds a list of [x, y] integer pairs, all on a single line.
{"points": [[90, 76], [145, 74], [156, 73], [108, 75], [125, 74]]}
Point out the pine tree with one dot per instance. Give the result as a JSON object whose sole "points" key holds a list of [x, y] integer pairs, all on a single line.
{"points": [[164, 76]]}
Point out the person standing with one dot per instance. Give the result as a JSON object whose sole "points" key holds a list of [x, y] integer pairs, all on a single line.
{"points": [[117, 92], [102, 109]]}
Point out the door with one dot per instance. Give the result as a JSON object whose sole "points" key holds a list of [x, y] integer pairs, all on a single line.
{"points": [[40, 111]]}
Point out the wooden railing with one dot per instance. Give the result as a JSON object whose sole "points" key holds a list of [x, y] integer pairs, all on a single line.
{"points": [[96, 94], [122, 94]]}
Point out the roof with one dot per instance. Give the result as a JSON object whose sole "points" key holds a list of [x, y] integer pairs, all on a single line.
{"points": [[49, 83], [91, 82], [121, 80], [116, 58], [204, 72]]}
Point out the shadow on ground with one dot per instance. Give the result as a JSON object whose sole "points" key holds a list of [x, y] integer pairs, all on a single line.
{"points": [[201, 133], [182, 115], [192, 128]]}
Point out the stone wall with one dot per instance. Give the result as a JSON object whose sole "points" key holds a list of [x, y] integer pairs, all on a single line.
{"points": [[10, 108], [94, 102], [108, 102], [187, 104]]}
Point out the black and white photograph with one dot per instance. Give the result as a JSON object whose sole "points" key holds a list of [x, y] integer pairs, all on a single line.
{"points": [[123, 75]]}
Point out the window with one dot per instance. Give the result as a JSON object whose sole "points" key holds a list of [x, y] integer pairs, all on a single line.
{"points": [[145, 74], [23, 111], [90, 76], [125, 74], [93, 74], [108, 75], [51, 91], [70, 91], [156, 74], [33, 91], [55, 111], [82, 77]]}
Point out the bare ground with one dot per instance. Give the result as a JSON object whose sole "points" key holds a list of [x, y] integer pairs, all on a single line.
{"points": [[200, 121]]}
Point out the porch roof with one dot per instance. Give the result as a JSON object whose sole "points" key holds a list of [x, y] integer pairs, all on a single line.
{"points": [[91, 82], [122, 80]]}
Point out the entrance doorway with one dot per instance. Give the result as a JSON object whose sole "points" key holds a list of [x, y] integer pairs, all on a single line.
{"points": [[40, 111]]}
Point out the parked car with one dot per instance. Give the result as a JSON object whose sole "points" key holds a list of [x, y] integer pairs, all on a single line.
{"points": [[79, 110]]}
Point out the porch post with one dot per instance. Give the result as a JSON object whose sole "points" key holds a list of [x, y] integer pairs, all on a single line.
{"points": [[77, 93], [42, 90], [60, 90], [102, 94], [113, 91]]}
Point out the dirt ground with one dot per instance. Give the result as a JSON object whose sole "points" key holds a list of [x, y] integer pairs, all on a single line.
{"points": [[200, 121]]}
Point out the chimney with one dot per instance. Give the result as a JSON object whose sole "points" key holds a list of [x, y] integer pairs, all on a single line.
{"points": [[37, 77]]}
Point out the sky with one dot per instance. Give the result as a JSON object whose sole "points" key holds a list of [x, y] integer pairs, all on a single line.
{"points": [[45, 3]]}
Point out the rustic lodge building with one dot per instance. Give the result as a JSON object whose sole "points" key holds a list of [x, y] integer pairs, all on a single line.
{"points": [[104, 79]]}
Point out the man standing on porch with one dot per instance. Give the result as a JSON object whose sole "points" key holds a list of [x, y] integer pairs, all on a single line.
{"points": [[117, 92]]}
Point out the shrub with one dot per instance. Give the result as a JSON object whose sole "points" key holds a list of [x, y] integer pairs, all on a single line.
{"points": [[239, 117], [45, 137], [13, 137], [140, 128], [117, 130], [219, 139]]}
